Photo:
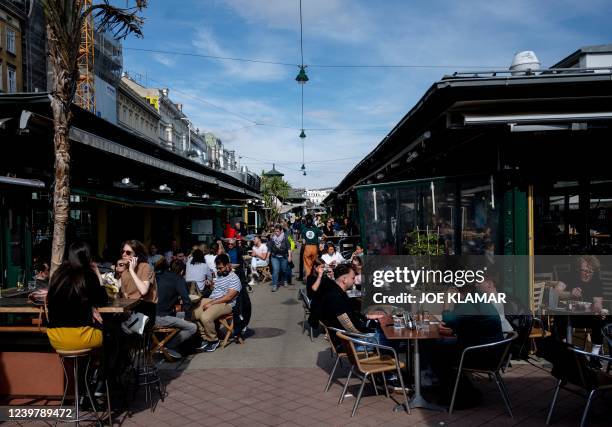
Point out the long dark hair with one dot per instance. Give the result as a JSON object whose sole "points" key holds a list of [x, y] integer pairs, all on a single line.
{"points": [[317, 262], [197, 257], [79, 255], [73, 273], [139, 250]]}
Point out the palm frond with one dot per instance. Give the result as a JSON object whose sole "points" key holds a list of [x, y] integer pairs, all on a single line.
{"points": [[120, 21]]}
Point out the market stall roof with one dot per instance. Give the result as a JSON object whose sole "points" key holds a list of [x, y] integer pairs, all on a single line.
{"points": [[30, 113], [551, 99]]}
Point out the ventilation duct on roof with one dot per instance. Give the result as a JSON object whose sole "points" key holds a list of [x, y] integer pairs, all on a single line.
{"points": [[524, 62]]}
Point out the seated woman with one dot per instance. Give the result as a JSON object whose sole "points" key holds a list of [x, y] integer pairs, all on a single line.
{"points": [[74, 293], [319, 280], [138, 281], [583, 283], [332, 258], [358, 253], [358, 267], [197, 272]]}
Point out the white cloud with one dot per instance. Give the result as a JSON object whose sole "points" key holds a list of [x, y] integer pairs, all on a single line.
{"points": [[342, 20], [167, 60], [206, 43]]}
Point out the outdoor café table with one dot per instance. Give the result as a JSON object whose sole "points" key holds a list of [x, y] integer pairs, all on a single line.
{"points": [[392, 333], [22, 305], [569, 334]]}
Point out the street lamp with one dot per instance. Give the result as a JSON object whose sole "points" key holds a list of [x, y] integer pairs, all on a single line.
{"points": [[188, 132]]}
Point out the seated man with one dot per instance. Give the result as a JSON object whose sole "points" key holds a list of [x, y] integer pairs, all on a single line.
{"points": [[221, 301], [471, 324], [259, 258], [336, 309], [171, 286]]}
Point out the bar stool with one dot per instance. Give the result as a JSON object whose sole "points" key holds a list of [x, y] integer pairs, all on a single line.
{"points": [[74, 356], [146, 372]]}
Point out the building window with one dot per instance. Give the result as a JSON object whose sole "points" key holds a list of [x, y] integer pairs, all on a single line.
{"points": [[12, 80], [10, 41]]}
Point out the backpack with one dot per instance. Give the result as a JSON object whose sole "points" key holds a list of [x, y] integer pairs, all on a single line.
{"points": [[291, 241]]}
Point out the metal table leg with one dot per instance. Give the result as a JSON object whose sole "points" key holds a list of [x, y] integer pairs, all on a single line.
{"points": [[418, 401]]}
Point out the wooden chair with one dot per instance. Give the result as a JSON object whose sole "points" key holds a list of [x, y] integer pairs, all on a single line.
{"points": [[370, 366], [538, 295], [338, 355], [158, 344], [264, 273], [227, 321], [537, 327]]}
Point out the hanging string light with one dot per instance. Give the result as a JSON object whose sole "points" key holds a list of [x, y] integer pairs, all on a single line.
{"points": [[302, 78]]}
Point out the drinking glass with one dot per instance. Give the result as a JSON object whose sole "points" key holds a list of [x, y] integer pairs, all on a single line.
{"points": [[32, 285]]}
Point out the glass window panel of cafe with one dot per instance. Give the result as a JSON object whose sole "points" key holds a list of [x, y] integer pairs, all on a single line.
{"points": [[426, 218], [573, 217], [556, 217], [478, 217], [378, 207]]}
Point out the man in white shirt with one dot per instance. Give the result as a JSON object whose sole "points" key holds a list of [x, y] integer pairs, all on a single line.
{"points": [[259, 258], [332, 258]]}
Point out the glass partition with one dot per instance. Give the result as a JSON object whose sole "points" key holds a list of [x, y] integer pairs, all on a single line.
{"points": [[428, 217]]}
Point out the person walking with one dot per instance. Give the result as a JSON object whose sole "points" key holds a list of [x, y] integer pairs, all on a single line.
{"points": [[280, 256], [310, 233]]}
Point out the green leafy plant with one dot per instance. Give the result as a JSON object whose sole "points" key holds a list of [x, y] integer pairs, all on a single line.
{"points": [[423, 243], [273, 189]]}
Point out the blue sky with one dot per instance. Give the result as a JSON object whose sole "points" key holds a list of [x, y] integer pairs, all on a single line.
{"points": [[361, 104]]}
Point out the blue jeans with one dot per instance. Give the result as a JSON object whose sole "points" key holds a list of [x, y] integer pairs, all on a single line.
{"points": [[279, 265]]}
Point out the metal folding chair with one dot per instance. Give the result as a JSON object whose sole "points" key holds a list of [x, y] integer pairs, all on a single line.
{"points": [[370, 366], [573, 366], [489, 366]]}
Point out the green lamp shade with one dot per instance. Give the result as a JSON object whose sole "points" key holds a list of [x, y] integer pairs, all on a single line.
{"points": [[301, 77]]}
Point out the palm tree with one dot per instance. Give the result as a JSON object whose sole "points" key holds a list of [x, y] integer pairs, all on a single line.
{"points": [[65, 20], [273, 190]]}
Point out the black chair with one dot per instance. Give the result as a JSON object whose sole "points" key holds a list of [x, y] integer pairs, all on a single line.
{"points": [[303, 296], [486, 359], [606, 331], [572, 366]]}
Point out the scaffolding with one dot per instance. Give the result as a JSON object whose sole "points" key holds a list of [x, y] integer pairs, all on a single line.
{"points": [[85, 92]]}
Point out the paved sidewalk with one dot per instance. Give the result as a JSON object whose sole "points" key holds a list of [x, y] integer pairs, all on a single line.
{"points": [[277, 378]]}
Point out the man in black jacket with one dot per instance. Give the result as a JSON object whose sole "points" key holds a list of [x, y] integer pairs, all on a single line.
{"points": [[171, 286]]}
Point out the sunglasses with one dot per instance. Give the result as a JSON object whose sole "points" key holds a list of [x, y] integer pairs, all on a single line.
{"points": [[130, 253]]}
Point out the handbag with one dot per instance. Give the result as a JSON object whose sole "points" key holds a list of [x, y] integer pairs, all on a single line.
{"points": [[135, 324]]}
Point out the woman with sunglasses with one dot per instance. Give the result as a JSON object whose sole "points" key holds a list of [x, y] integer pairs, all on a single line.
{"points": [[138, 280]]}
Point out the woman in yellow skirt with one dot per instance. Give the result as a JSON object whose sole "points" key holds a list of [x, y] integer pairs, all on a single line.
{"points": [[75, 290]]}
